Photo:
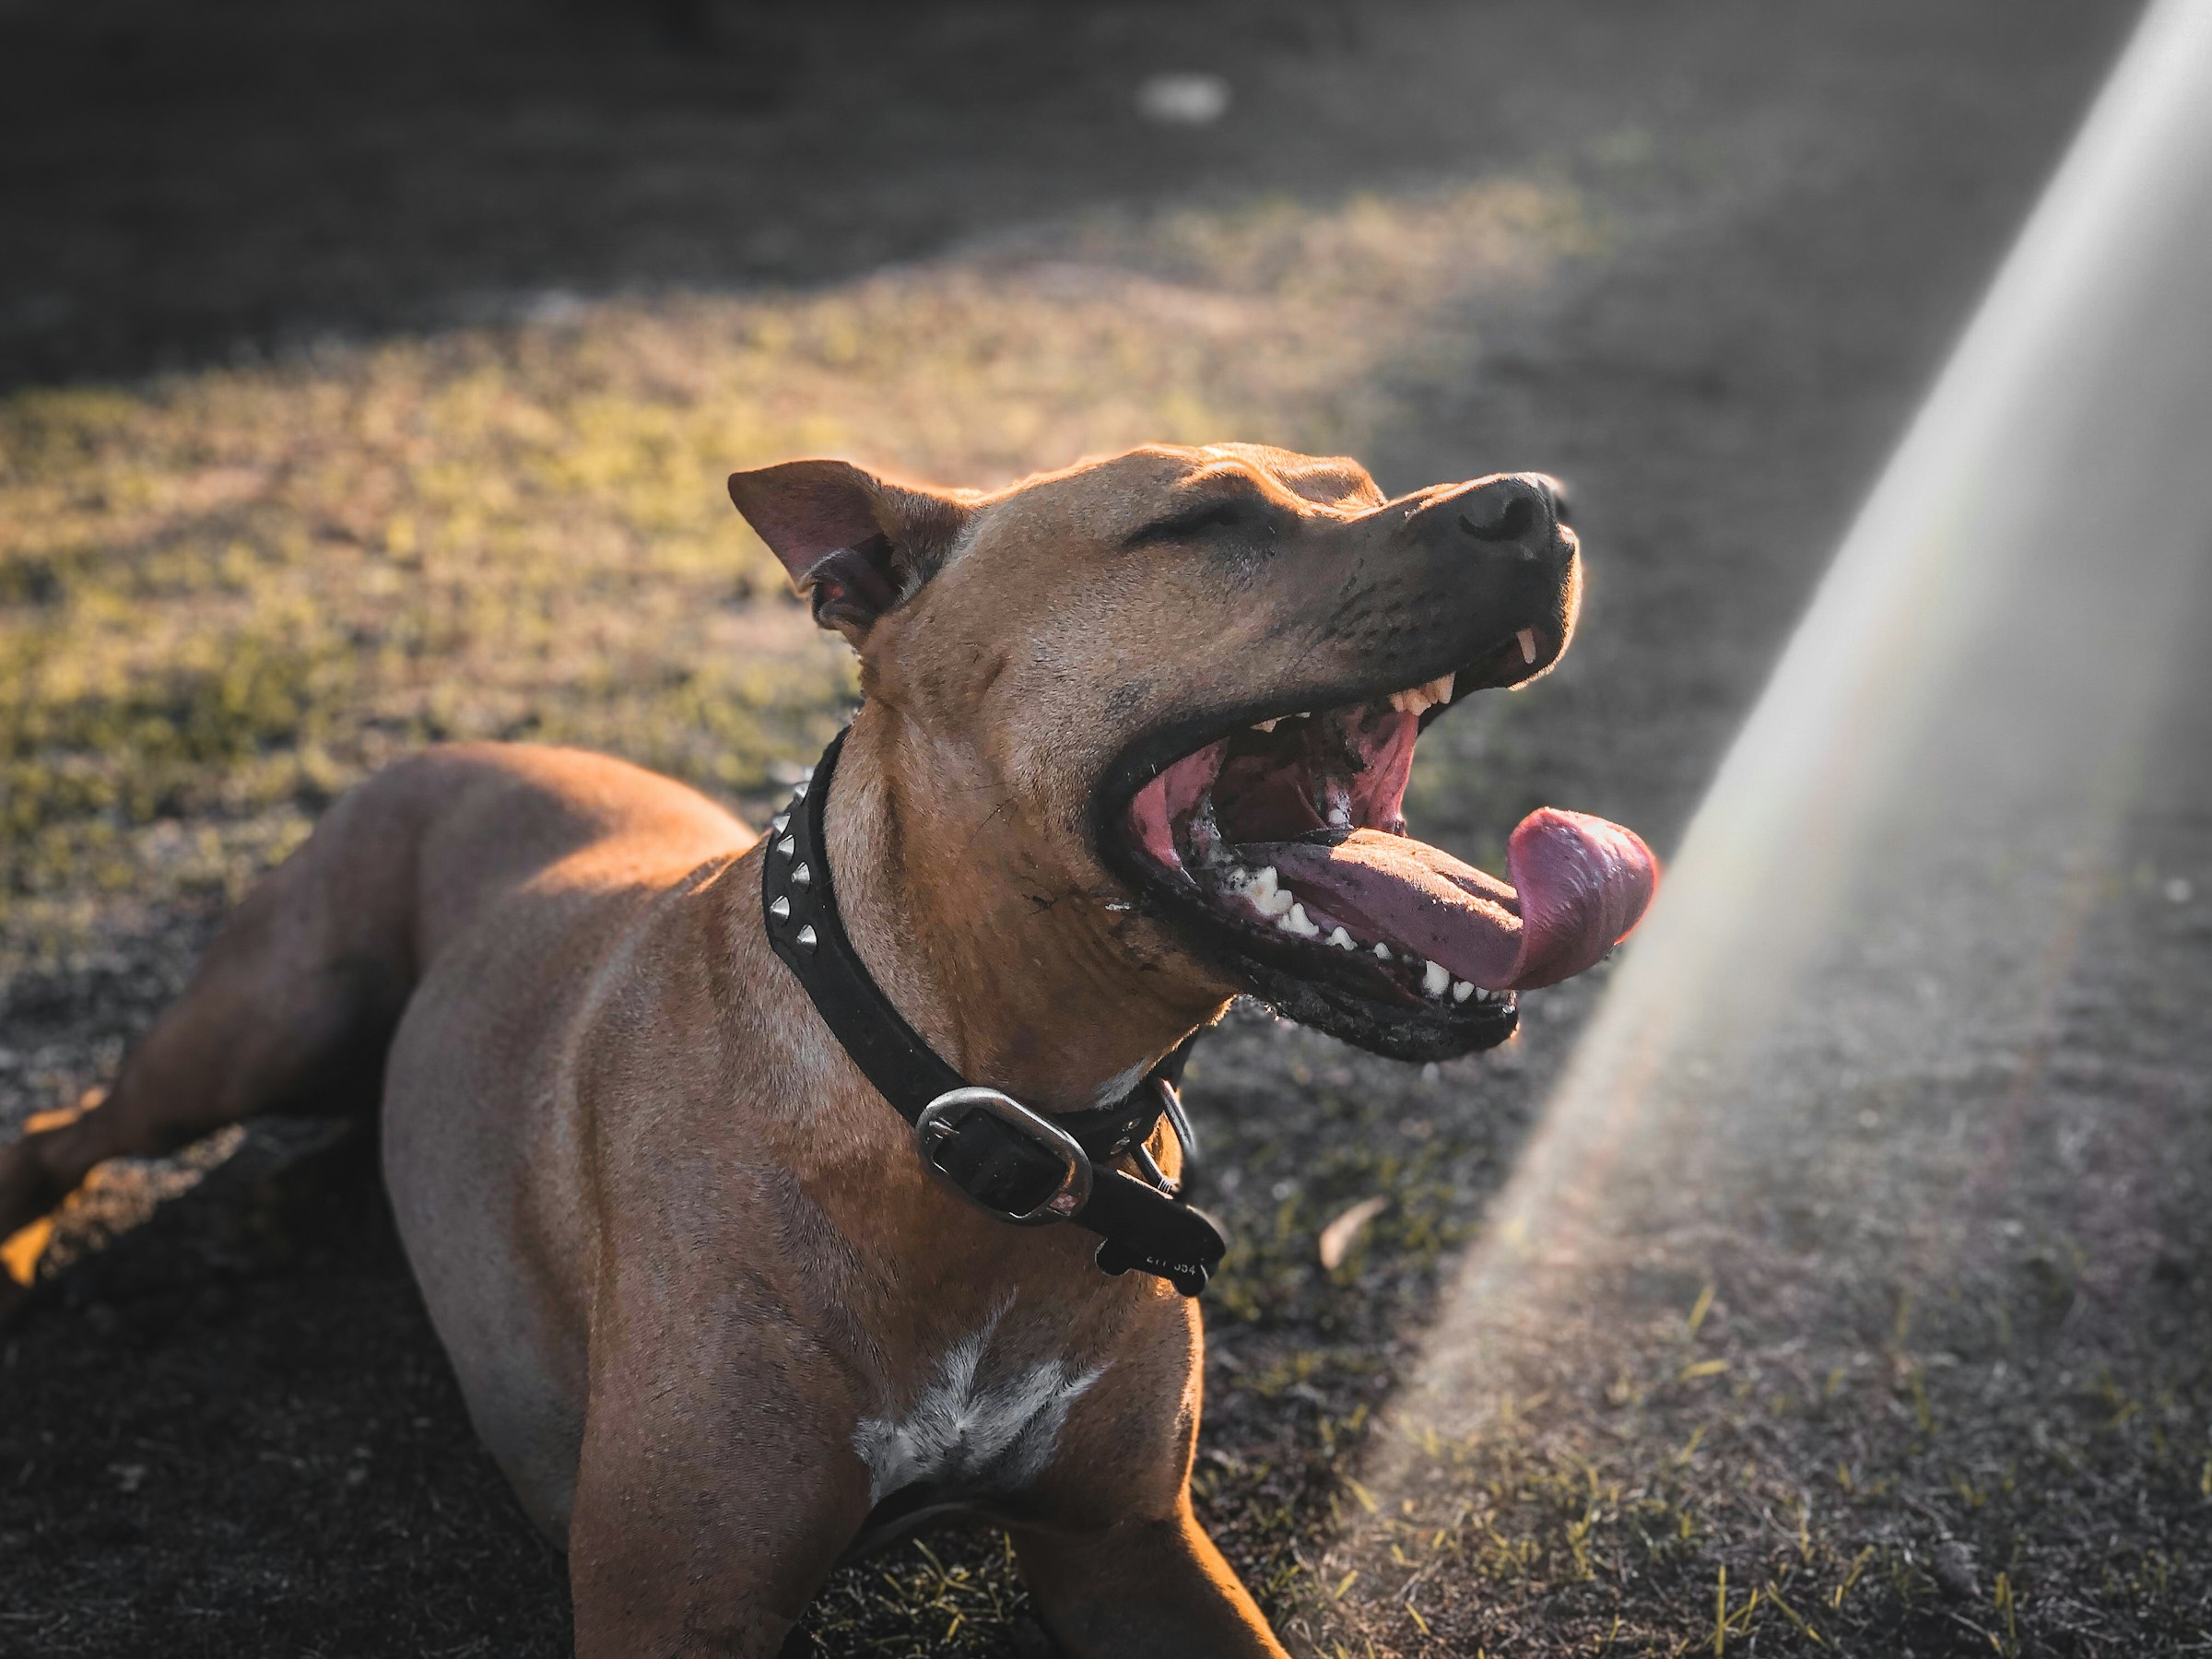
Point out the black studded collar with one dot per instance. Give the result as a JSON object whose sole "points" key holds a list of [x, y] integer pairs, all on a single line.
{"points": [[1022, 1166]]}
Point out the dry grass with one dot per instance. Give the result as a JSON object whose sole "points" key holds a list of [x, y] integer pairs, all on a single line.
{"points": [[223, 597], [231, 594]]}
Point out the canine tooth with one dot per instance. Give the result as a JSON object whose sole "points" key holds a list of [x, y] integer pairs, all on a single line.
{"points": [[1266, 726], [1298, 923], [1436, 979], [1382, 951], [1527, 637], [1341, 940], [1461, 990]]}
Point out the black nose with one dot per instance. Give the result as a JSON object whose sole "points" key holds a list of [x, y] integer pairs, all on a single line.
{"points": [[1523, 510]]}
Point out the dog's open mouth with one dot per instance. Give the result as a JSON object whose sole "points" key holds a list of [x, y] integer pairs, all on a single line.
{"points": [[1287, 836]]}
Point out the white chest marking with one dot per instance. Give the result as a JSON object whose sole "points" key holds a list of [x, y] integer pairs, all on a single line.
{"points": [[968, 1435]]}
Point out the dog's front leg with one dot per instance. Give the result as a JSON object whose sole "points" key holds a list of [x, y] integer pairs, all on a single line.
{"points": [[1141, 1588], [713, 1495]]}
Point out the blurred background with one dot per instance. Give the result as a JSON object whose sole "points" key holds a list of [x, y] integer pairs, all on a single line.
{"points": [[368, 377]]}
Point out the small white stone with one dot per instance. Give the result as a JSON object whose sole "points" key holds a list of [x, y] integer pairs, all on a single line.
{"points": [[1185, 98]]}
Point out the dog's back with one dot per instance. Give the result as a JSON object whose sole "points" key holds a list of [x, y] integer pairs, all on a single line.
{"points": [[295, 1006]]}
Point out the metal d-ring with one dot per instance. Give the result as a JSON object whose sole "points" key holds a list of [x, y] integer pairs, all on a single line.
{"points": [[1171, 1101]]}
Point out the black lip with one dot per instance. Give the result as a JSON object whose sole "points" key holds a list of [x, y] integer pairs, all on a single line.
{"points": [[1279, 973]]}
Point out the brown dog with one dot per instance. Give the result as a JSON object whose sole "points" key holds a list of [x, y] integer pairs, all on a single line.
{"points": [[1134, 740]]}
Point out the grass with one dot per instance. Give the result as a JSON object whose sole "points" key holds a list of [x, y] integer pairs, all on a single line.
{"points": [[224, 596]]}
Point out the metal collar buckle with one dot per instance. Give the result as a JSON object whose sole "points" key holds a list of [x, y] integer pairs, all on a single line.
{"points": [[1023, 1168]]}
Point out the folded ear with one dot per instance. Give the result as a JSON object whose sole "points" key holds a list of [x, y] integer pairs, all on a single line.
{"points": [[858, 545]]}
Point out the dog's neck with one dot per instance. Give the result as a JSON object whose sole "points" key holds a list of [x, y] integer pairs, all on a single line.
{"points": [[1016, 981]]}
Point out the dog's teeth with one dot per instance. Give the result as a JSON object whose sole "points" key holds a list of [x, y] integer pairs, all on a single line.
{"points": [[1341, 940], [1527, 637], [1382, 951], [1418, 699], [1436, 979], [1263, 890], [1298, 922], [1266, 726], [1461, 990]]}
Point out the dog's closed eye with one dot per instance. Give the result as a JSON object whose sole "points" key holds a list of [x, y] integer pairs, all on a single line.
{"points": [[1197, 521]]}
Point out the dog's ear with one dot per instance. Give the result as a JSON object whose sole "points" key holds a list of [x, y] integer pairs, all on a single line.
{"points": [[859, 545]]}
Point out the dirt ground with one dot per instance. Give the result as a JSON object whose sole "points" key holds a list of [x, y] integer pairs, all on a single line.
{"points": [[1701, 259]]}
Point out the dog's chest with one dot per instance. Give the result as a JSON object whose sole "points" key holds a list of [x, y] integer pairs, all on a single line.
{"points": [[979, 1428]]}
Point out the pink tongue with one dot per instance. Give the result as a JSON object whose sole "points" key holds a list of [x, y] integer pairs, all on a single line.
{"points": [[1578, 884]]}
